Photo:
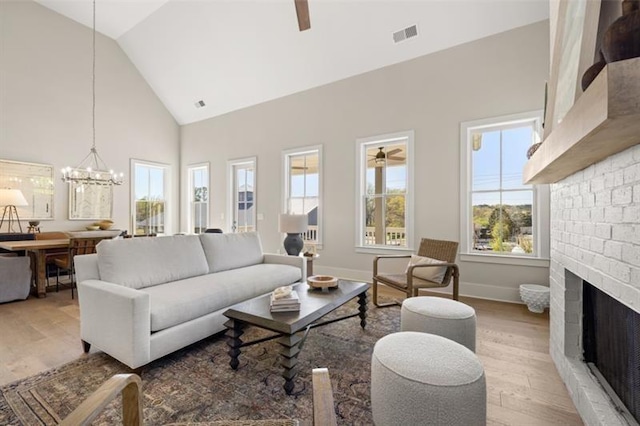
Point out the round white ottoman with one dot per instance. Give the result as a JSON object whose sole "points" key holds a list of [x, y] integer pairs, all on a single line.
{"points": [[444, 317], [424, 379]]}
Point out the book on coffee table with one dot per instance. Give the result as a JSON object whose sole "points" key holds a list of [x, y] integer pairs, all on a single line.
{"points": [[289, 303]]}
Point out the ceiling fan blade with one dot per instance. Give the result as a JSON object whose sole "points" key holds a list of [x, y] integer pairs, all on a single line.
{"points": [[299, 168], [394, 151], [302, 10], [396, 158]]}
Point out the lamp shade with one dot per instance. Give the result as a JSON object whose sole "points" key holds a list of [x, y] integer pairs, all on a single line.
{"points": [[293, 223], [12, 197]]}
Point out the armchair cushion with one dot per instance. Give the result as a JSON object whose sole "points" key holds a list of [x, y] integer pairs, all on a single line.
{"points": [[435, 274]]}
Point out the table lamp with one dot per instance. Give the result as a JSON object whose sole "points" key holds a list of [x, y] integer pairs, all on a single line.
{"points": [[10, 198], [293, 225]]}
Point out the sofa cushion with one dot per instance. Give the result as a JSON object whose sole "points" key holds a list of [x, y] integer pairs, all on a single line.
{"points": [[230, 251], [144, 262], [180, 301]]}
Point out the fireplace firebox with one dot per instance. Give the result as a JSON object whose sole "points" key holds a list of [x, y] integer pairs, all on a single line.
{"points": [[611, 344]]}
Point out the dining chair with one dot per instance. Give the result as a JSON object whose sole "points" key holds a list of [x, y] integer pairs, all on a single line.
{"points": [[51, 254], [80, 245]]}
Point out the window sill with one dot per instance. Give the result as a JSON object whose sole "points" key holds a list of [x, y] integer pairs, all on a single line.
{"points": [[535, 262], [383, 250]]}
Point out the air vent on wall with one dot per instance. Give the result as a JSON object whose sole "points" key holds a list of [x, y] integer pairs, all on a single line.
{"points": [[200, 104], [406, 33]]}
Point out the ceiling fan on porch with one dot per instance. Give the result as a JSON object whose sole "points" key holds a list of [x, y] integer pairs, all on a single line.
{"points": [[302, 10], [380, 157]]}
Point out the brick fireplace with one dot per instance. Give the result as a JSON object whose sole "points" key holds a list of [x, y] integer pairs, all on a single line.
{"points": [[595, 237]]}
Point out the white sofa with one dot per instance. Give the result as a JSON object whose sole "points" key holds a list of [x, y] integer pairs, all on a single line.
{"points": [[143, 298]]}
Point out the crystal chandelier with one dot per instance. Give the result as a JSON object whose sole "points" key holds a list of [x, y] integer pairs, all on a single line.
{"points": [[92, 170]]}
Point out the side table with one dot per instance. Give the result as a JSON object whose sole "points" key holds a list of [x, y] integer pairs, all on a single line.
{"points": [[310, 260]]}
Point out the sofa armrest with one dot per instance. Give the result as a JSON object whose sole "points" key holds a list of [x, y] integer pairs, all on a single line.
{"points": [[297, 261], [117, 320]]}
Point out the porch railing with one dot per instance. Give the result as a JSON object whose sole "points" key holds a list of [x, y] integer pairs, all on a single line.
{"points": [[393, 236]]}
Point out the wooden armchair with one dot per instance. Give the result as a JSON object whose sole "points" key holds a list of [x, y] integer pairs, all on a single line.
{"points": [[130, 386], [84, 245], [408, 282]]}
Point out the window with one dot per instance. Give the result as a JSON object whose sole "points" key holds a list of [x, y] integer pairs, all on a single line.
{"points": [[242, 176], [150, 197], [385, 192], [500, 214], [302, 188], [198, 198]]}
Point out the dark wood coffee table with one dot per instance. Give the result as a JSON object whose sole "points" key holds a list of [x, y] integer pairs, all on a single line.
{"points": [[315, 304]]}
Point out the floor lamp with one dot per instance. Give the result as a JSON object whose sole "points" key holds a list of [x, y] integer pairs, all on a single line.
{"points": [[10, 199]]}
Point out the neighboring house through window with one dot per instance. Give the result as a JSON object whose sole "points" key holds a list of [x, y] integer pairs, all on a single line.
{"points": [[149, 187], [500, 213], [198, 198], [242, 202], [385, 192], [303, 188]]}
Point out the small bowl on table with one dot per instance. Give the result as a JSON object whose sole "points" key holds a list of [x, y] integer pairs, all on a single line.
{"points": [[92, 227], [105, 224], [324, 282]]}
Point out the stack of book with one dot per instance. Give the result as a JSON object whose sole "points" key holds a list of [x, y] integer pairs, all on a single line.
{"points": [[288, 303]]}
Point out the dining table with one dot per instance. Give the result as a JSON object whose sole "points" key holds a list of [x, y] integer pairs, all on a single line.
{"points": [[38, 248]]}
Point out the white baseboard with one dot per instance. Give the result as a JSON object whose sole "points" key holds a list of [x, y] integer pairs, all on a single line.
{"points": [[491, 292], [477, 290]]}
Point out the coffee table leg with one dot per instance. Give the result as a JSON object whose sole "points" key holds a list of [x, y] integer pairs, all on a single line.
{"points": [[362, 301], [289, 353], [234, 331]]}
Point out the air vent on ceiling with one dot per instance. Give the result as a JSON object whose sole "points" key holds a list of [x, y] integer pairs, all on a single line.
{"points": [[405, 34], [200, 104]]}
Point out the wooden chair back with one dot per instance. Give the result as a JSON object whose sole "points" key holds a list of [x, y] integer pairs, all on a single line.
{"points": [[82, 245], [441, 250], [53, 235]]}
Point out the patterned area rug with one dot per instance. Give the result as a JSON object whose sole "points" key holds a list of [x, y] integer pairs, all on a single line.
{"points": [[196, 384]]}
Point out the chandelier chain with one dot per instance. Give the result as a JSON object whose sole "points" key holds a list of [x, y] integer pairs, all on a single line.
{"points": [[92, 170]]}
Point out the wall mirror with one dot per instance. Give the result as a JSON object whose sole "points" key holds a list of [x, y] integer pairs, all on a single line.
{"points": [[90, 202], [36, 183]]}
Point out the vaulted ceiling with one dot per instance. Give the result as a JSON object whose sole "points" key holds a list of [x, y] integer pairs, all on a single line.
{"points": [[232, 54]]}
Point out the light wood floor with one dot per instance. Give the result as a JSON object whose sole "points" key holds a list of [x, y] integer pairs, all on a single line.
{"points": [[523, 386]]}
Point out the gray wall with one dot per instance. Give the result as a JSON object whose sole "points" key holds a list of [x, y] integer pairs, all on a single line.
{"points": [[499, 75], [45, 104]]}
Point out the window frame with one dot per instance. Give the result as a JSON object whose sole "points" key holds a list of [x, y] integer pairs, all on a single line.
{"points": [[361, 146], [286, 164], [231, 164], [190, 202], [166, 188], [540, 199]]}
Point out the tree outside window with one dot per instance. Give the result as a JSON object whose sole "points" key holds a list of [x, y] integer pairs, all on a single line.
{"points": [[502, 206], [150, 198], [199, 194]]}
